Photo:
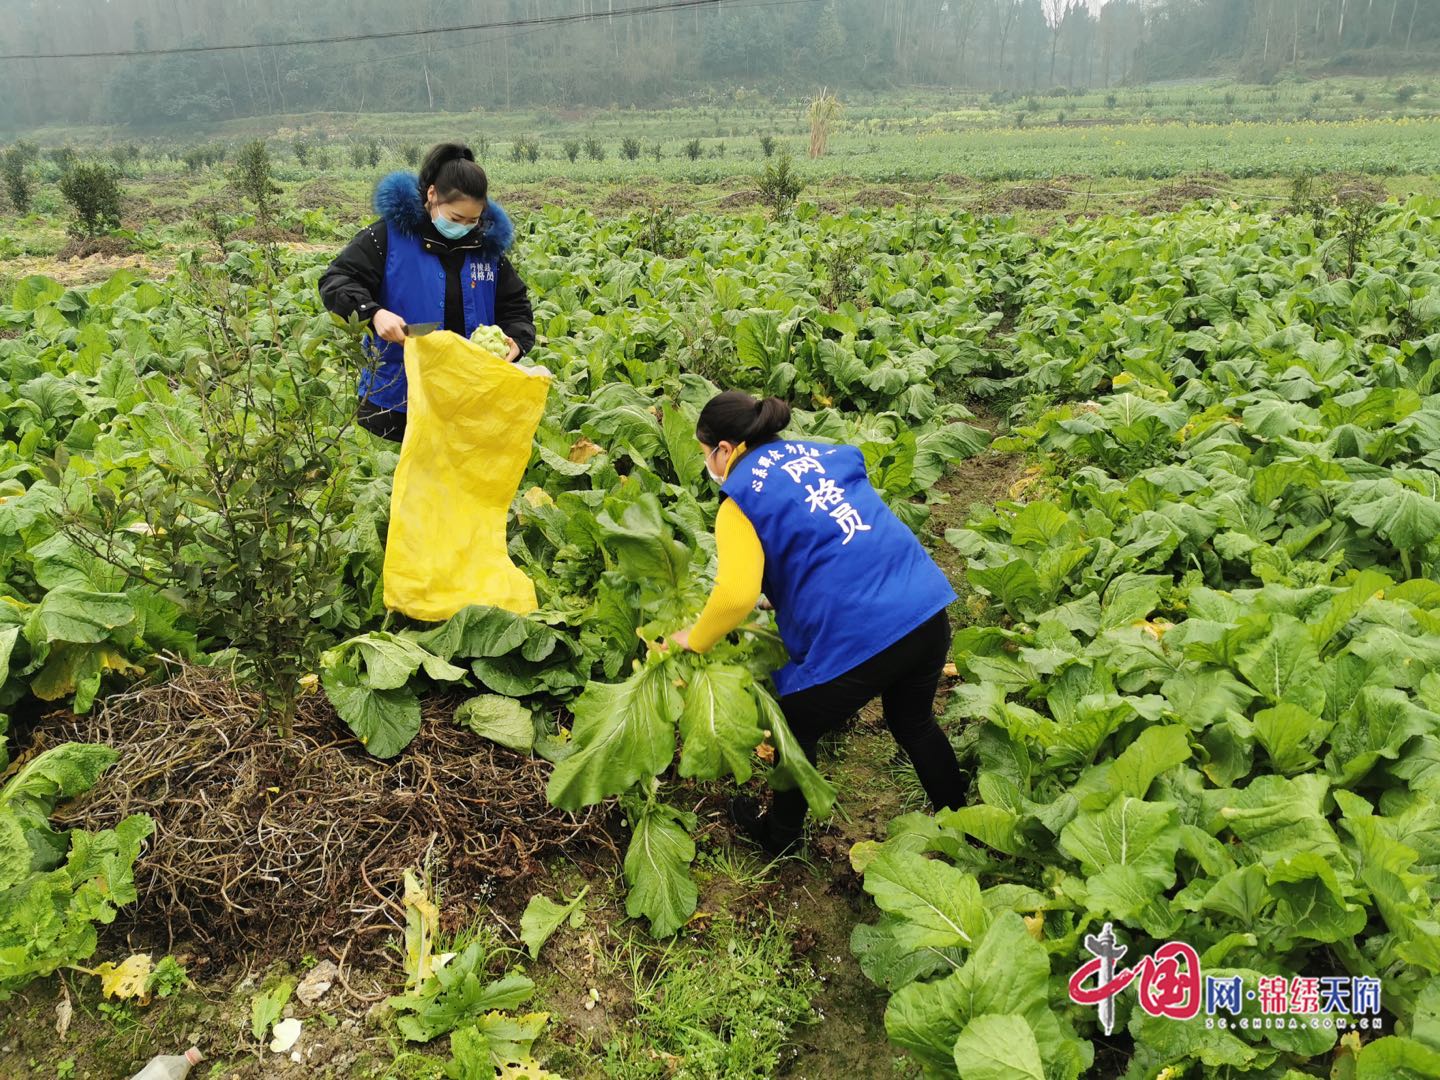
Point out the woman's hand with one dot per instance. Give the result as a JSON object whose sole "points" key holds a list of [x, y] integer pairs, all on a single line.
{"points": [[389, 326], [514, 353], [680, 640]]}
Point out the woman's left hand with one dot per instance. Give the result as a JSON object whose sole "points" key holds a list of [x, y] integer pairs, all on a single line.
{"points": [[681, 639], [514, 353]]}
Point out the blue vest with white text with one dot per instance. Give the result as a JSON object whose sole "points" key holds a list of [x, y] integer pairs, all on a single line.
{"points": [[847, 578], [414, 289]]}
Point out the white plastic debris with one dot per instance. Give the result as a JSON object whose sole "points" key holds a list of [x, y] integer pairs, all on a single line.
{"points": [[170, 1066], [286, 1033]]}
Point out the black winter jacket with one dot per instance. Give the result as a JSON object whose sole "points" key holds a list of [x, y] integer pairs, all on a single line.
{"points": [[351, 284]]}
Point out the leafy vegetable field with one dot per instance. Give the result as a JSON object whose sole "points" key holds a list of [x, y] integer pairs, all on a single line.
{"points": [[1197, 656], [1209, 711]]}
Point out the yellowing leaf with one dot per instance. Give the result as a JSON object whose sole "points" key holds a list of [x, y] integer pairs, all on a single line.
{"points": [[126, 980], [111, 660], [862, 854], [538, 497], [1027, 480], [71, 662], [525, 1069], [1036, 925], [422, 922], [583, 450]]}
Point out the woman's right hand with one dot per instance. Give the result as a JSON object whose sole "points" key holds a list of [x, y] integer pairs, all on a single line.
{"points": [[389, 326]]}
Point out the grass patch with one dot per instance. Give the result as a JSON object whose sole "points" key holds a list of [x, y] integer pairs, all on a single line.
{"points": [[723, 1009]]}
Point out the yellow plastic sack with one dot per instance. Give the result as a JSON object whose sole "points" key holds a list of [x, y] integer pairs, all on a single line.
{"points": [[471, 419]]}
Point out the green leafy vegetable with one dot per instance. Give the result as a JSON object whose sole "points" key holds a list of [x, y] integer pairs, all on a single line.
{"points": [[267, 1007], [455, 995], [657, 868], [624, 733], [543, 917], [492, 339], [499, 719]]}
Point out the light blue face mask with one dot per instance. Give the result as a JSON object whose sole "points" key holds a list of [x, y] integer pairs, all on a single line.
{"points": [[451, 230]]}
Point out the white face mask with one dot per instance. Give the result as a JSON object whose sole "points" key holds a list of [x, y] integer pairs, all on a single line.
{"points": [[451, 230], [717, 477]]}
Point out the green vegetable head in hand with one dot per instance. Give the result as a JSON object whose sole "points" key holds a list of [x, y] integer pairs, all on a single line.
{"points": [[494, 340]]}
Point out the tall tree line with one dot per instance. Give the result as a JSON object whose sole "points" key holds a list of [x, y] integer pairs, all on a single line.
{"points": [[1266, 37], [992, 45]]}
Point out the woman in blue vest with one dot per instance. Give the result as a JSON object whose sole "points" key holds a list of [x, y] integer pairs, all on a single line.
{"points": [[437, 255], [860, 605]]}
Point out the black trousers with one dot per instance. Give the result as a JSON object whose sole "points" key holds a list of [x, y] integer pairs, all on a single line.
{"points": [[382, 423], [904, 677]]}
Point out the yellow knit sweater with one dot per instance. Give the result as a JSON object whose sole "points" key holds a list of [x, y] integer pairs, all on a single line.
{"points": [[737, 578], [738, 575]]}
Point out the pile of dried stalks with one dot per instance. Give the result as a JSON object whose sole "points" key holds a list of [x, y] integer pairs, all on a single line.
{"points": [[300, 841]]}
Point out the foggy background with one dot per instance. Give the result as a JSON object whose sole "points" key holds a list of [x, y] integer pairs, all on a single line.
{"points": [[699, 54]]}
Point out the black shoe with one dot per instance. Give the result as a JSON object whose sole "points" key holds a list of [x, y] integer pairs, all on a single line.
{"points": [[745, 812]]}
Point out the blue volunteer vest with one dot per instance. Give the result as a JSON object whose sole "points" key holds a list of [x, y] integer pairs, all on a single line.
{"points": [[846, 576], [414, 289]]}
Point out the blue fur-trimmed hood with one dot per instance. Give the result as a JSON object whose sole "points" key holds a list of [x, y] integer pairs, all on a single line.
{"points": [[397, 200]]}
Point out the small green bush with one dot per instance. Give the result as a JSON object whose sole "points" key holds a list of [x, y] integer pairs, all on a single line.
{"points": [[780, 185], [15, 174], [93, 192], [252, 177], [64, 157]]}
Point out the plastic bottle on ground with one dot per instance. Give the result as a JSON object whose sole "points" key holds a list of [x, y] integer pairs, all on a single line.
{"points": [[170, 1066]]}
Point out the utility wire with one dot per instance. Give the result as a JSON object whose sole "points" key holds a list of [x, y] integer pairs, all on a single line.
{"points": [[728, 5], [505, 24]]}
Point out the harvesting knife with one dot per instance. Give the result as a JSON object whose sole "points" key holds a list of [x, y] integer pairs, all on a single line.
{"points": [[421, 329]]}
